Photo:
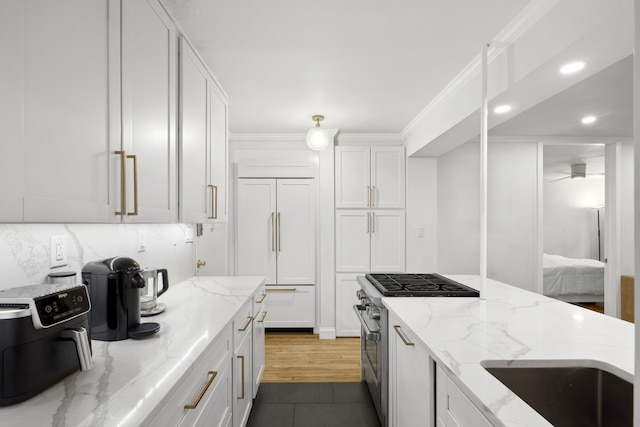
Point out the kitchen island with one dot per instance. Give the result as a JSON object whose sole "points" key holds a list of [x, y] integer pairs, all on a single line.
{"points": [[460, 334], [132, 379]]}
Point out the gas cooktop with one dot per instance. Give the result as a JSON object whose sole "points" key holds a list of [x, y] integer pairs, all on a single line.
{"points": [[419, 285]]}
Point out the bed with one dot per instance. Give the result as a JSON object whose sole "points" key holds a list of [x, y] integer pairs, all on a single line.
{"points": [[573, 280]]}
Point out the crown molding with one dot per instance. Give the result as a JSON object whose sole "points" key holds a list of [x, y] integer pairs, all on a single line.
{"points": [[531, 13], [272, 139]]}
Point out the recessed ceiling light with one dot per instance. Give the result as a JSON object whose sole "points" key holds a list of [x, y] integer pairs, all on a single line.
{"points": [[572, 67], [587, 120], [501, 109]]}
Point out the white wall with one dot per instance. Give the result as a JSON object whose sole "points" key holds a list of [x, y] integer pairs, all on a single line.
{"points": [[459, 210], [512, 219], [570, 225], [24, 249], [421, 211], [627, 253], [512, 181]]}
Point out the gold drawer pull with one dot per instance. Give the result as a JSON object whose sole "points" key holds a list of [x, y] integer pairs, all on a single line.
{"points": [[214, 201], [203, 391], [403, 337], [264, 295], [244, 328], [135, 183], [264, 314], [123, 183], [281, 290]]}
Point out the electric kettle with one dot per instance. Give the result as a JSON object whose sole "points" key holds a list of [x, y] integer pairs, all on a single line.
{"points": [[149, 294]]}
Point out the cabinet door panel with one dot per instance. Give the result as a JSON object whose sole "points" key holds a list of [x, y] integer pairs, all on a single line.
{"points": [[347, 323], [256, 233], [296, 232], [148, 107], [387, 241], [66, 97], [258, 348], [387, 177], [218, 155], [352, 177], [194, 116], [291, 307], [242, 380], [352, 240]]}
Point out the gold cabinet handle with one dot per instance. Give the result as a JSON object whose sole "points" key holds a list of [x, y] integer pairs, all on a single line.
{"points": [[373, 222], [242, 389], [261, 300], [201, 263], [244, 328], [123, 183], [203, 391], [135, 184], [279, 230], [368, 196], [281, 290], [373, 196], [273, 232], [264, 315], [368, 222], [403, 337], [214, 201]]}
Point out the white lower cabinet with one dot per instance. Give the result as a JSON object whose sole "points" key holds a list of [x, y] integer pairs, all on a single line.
{"points": [[347, 323], [291, 306], [411, 400], [204, 398], [453, 408], [258, 348], [242, 365]]}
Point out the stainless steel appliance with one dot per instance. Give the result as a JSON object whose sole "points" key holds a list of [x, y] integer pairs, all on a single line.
{"points": [[149, 305], [43, 338], [114, 288], [374, 319]]}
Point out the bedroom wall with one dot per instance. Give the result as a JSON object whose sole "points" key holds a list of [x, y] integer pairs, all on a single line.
{"points": [[511, 212], [570, 226]]}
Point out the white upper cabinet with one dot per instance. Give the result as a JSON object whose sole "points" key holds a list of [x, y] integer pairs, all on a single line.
{"points": [[64, 94], [203, 142], [370, 177], [90, 109], [149, 108], [276, 230]]}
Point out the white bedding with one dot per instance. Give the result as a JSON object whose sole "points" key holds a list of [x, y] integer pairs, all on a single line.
{"points": [[570, 276]]}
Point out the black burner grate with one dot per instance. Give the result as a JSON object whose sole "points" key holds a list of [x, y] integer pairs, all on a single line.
{"points": [[418, 285]]}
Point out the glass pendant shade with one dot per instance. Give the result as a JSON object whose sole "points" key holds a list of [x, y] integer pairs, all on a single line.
{"points": [[318, 139]]}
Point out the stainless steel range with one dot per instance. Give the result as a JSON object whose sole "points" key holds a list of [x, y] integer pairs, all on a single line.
{"points": [[374, 318]]}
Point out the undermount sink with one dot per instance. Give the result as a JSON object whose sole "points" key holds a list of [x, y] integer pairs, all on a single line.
{"points": [[569, 395]]}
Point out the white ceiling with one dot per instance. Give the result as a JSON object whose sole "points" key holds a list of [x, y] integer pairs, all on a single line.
{"points": [[369, 66]]}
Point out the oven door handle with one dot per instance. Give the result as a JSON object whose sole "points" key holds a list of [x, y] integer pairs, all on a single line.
{"points": [[369, 334]]}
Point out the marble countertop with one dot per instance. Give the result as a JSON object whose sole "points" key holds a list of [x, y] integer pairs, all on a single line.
{"points": [[513, 324], [131, 377]]}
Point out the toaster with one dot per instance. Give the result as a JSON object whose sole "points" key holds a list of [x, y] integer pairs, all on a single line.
{"points": [[43, 338]]}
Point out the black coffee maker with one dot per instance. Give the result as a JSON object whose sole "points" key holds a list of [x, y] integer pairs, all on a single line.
{"points": [[114, 289]]}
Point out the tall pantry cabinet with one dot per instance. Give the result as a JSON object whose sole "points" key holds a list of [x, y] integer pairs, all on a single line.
{"points": [[370, 221], [275, 237]]}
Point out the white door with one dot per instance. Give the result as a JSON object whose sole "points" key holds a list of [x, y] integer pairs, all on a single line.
{"points": [[65, 116], [387, 241], [295, 229], [353, 228], [387, 177], [353, 188], [194, 136], [347, 323], [149, 109], [256, 229], [218, 156]]}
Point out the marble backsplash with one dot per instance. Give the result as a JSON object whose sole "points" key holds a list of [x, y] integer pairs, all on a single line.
{"points": [[24, 249]]}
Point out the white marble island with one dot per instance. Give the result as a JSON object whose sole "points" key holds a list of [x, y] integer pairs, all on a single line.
{"points": [[512, 324], [130, 378]]}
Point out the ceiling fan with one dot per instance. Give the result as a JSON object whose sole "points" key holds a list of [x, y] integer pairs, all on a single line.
{"points": [[578, 170]]}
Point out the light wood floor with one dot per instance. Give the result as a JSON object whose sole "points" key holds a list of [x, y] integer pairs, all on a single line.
{"points": [[303, 357]]}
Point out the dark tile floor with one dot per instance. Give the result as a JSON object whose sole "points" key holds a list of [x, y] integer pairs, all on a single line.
{"points": [[313, 405]]}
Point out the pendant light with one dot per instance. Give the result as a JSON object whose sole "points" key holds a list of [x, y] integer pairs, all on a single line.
{"points": [[318, 138]]}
